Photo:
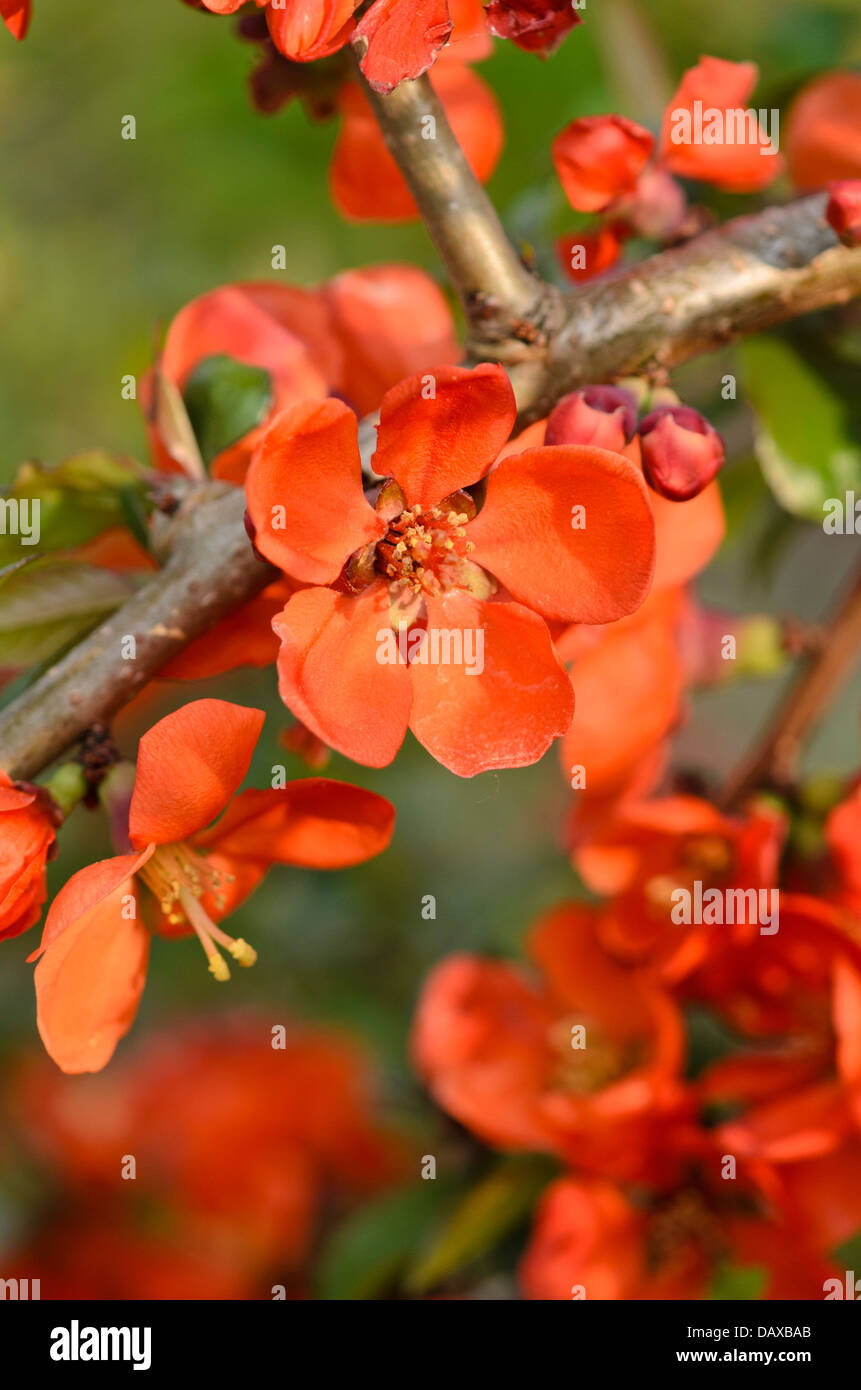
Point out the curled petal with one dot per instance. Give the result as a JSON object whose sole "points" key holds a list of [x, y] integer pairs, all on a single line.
{"points": [[435, 444], [310, 30], [330, 677], [89, 982], [304, 491], [569, 531], [599, 158], [505, 708], [403, 38], [189, 765]]}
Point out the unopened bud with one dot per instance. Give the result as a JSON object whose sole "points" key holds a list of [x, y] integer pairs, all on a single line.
{"points": [[681, 451], [605, 416], [843, 211]]}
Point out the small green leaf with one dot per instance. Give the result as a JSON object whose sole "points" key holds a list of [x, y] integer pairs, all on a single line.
{"points": [[803, 437], [485, 1216], [45, 604], [225, 399]]}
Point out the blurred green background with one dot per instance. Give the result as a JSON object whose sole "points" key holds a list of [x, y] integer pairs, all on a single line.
{"points": [[102, 240]]}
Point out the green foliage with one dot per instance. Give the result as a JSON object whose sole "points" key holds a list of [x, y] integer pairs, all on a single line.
{"points": [[46, 604], [225, 399], [78, 500], [803, 438], [481, 1220], [368, 1251]]}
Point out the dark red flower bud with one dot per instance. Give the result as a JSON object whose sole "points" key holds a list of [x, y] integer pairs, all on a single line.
{"points": [[682, 452], [843, 211], [605, 416]]}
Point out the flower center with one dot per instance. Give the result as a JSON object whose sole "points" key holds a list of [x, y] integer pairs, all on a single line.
{"points": [[423, 552], [588, 1059], [178, 879]]}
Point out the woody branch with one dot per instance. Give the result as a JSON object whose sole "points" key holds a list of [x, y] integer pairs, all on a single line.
{"points": [[740, 278]]}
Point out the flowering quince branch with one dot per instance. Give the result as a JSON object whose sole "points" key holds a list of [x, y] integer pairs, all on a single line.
{"points": [[747, 275]]}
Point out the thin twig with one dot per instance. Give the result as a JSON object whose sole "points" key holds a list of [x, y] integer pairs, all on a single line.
{"points": [[774, 761]]}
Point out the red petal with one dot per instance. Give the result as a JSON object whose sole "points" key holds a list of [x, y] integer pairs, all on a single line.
{"points": [[304, 491], [16, 16], [314, 823], [741, 166], [435, 446], [524, 532], [313, 29], [403, 37], [85, 890], [598, 159], [393, 320], [88, 984], [628, 687], [329, 675], [823, 131], [508, 714], [189, 765]]}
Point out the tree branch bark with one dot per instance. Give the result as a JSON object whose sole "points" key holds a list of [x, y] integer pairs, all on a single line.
{"points": [[212, 571], [747, 275]]}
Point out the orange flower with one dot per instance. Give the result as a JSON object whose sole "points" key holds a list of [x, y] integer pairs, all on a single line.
{"points": [[355, 336], [365, 180], [95, 945], [16, 15], [27, 831], [823, 131], [586, 1066], [644, 852], [592, 1240], [426, 563]]}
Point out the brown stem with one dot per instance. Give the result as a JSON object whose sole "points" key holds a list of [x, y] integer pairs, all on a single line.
{"points": [[211, 571], [774, 761], [501, 298]]}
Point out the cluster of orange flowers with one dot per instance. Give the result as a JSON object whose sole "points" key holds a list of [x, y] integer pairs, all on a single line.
{"points": [[570, 548]]}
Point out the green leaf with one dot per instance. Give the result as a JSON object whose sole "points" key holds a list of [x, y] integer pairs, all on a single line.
{"points": [[485, 1216], [367, 1252], [803, 436], [78, 500], [225, 399], [737, 1283], [45, 604]]}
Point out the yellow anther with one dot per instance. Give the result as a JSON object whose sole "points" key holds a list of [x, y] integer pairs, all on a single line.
{"points": [[242, 952], [218, 967]]}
